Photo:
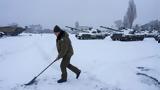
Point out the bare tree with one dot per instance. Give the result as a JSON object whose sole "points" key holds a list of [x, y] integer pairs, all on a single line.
{"points": [[76, 24], [130, 15]]}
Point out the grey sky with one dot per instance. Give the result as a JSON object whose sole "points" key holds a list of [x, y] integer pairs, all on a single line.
{"points": [[67, 12]]}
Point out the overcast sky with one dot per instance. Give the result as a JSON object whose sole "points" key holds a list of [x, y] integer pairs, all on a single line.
{"points": [[67, 12]]}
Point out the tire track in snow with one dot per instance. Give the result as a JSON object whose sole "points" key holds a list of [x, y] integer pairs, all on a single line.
{"points": [[148, 76]]}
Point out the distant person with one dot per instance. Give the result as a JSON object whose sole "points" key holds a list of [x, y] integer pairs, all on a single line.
{"points": [[65, 51]]}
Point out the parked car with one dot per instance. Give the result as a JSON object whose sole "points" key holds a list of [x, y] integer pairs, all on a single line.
{"points": [[87, 36], [11, 31], [122, 37]]}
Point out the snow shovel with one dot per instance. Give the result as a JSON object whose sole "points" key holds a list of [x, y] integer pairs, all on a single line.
{"points": [[34, 79]]}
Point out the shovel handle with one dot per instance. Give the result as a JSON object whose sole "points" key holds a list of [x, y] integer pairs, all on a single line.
{"points": [[45, 68]]}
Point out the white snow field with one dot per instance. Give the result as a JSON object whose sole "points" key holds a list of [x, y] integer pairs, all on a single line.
{"points": [[105, 64]]}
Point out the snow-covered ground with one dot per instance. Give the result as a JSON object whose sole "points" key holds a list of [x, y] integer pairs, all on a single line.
{"points": [[105, 64]]}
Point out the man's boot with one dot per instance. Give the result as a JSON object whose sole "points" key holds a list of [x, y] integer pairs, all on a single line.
{"points": [[61, 81], [78, 74], [63, 78]]}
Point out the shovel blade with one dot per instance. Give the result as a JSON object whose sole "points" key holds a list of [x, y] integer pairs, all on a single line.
{"points": [[31, 82]]}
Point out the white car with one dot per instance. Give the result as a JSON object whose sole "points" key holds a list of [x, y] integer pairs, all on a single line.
{"points": [[86, 36]]}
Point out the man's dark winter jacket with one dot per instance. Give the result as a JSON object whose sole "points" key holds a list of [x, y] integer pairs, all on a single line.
{"points": [[64, 45]]}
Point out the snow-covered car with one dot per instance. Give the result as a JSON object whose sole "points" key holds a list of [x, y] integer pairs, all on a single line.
{"points": [[128, 37], [86, 36], [1, 34], [11, 31]]}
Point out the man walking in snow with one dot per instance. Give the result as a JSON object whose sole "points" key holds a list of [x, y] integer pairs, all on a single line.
{"points": [[65, 51]]}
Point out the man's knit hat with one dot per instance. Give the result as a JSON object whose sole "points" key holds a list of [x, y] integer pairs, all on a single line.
{"points": [[57, 29]]}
